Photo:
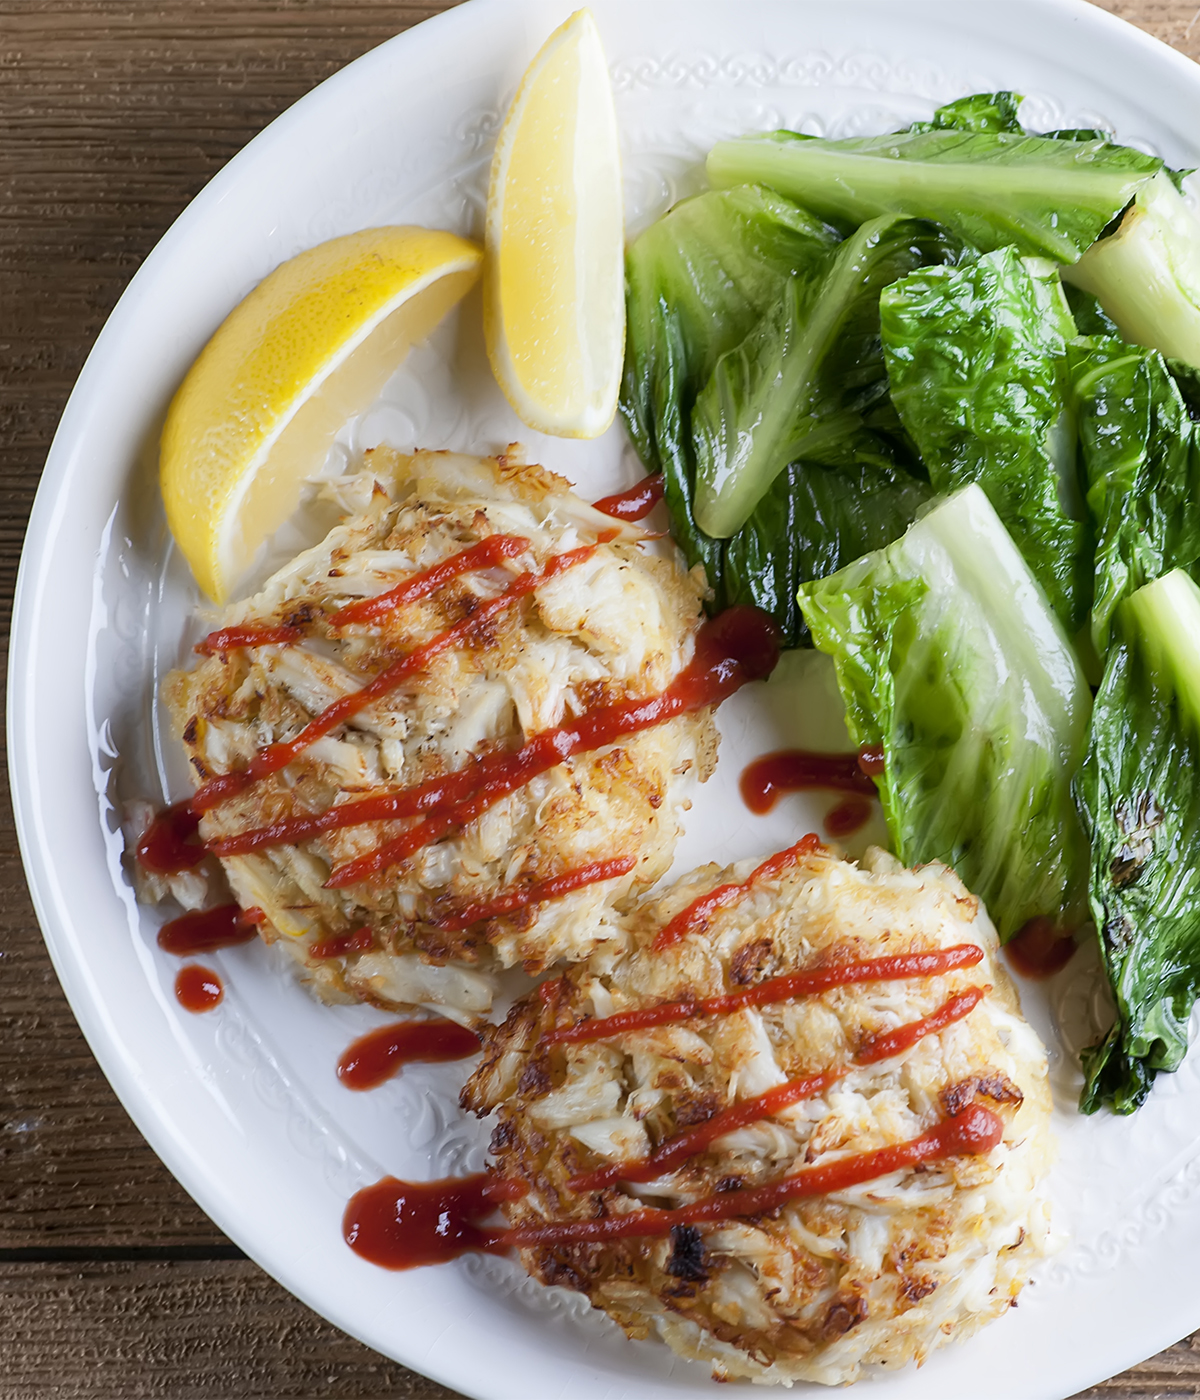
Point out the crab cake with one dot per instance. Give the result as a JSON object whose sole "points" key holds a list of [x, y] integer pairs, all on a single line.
{"points": [[809, 1066], [473, 603]]}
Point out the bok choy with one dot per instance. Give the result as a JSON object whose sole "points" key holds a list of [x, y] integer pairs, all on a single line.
{"points": [[1139, 790], [699, 283], [1142, 465], [978, 367], [800, 383], [812, 521], [981, 111], [992, 186], [1146, 275], [951, 663]]}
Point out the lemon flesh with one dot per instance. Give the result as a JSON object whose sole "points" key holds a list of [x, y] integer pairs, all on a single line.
{"points": [[311, 346], [554, 296]]}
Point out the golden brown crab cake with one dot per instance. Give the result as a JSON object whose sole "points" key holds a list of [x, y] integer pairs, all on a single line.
{"points": [[613, 623], [817, 1288]]}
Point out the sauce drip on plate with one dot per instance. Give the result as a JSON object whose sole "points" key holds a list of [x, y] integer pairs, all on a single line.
{"points": [[637, 502], [206, 930], [767, 779], [402, 1224], [198, 988], [1040, 948], [376, 1056], [872, 760], [850, 815]]}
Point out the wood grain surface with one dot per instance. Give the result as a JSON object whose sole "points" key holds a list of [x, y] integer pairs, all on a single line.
{"points": [[113, 1284]]}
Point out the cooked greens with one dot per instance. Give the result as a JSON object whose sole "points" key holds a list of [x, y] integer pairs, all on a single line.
{"points": [[800, 383], [1146, 275], [981, 111], [813, 520], [844, 330], [1139, 791], [1089, 316], [699, 282], [977, 361], [1142, 464], [1043, 195], [950, 661]]}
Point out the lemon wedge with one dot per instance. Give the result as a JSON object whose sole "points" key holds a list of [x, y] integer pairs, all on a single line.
{"points": [[554, 303], [312, 345]]}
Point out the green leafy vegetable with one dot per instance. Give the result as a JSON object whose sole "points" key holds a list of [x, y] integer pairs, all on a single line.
{"points": [[1146, 275], [1140, 794], [698, 282], [1045, 196], [1089, 316], [800, 383], [951, 661], [977, 361], [1142, 464], [1079, 133], [1187, 381], [982, 111], [813, 520]]}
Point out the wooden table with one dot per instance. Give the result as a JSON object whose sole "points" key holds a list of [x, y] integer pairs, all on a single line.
{"points": [[113, 114]]}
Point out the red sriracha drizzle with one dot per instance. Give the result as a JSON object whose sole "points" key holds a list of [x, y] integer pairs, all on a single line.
{"points": [[525, 895], [359, 940], [399, 1225], [739, 645], [171, 842], [278, 755], [898, 967], [698, 914], [637, 502], [252, 635], [669, 1154], [974, 1131], [484, 555]]}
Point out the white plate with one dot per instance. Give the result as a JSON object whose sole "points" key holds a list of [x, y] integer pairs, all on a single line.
{"points": [[242, 1104]]}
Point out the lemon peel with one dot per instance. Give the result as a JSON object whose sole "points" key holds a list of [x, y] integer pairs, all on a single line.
{"points": [[312, 345], [554, 296]]}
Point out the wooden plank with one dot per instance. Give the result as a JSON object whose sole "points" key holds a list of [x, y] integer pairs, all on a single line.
{"points": [[1175, 22], [112, 117], [179, 1331], [208, 1331]]}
